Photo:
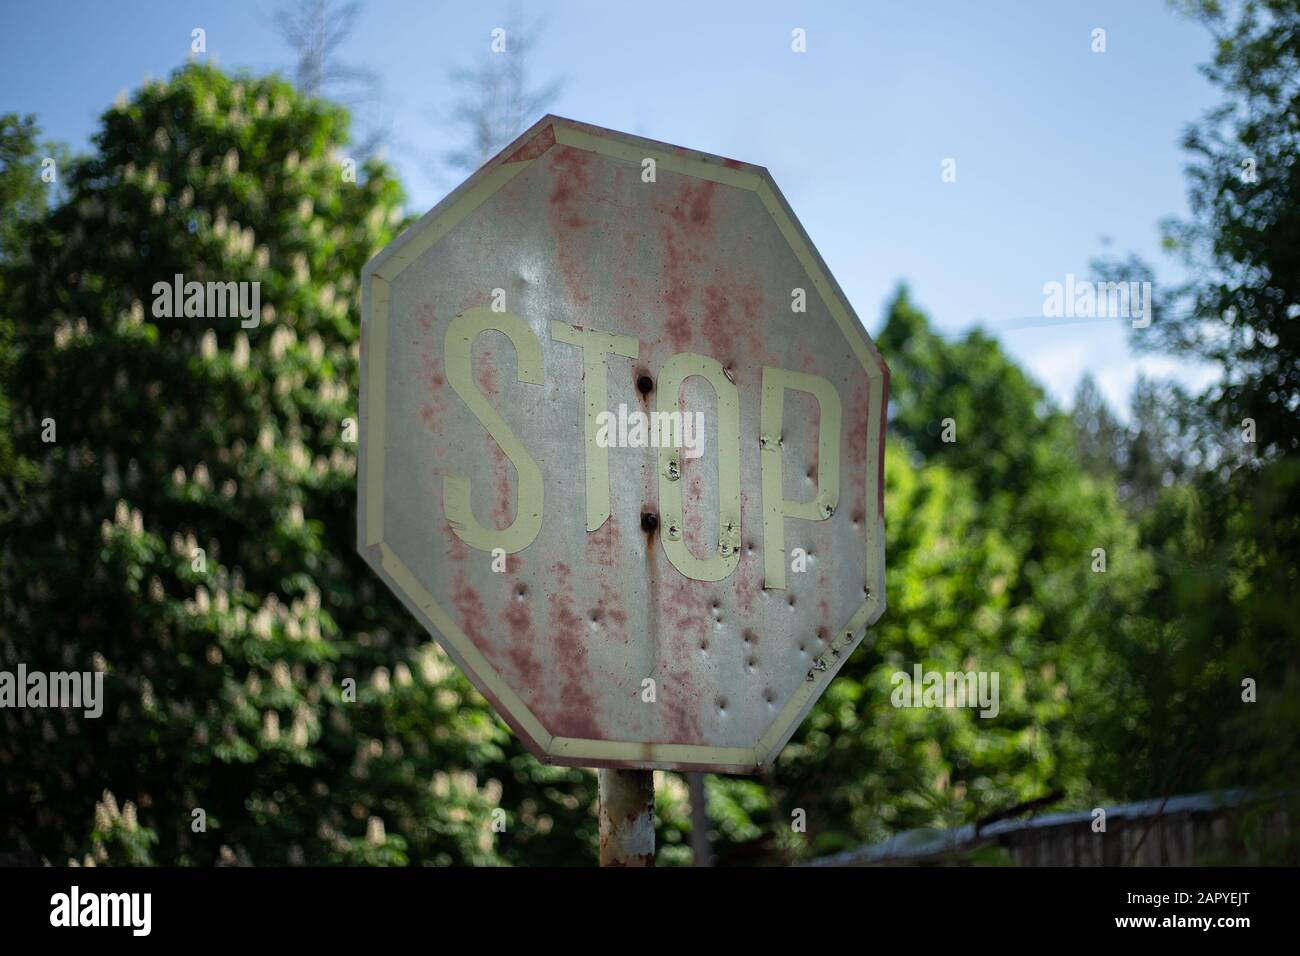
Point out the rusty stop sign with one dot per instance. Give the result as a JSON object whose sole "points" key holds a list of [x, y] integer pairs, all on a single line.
{"points": [[620, 602]]}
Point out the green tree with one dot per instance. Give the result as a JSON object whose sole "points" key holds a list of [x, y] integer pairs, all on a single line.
{"points": [[24, 196], [1241, 243], [191, 534], [1168, 439], [1216, 677], [990, 538], [1241, 523], [1098, 434]]}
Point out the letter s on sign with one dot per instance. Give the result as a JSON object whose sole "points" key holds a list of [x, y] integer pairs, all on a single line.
{"points": [[461, 333]]}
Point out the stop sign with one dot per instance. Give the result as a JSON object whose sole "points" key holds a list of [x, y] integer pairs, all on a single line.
{"points": [[621, 450]]}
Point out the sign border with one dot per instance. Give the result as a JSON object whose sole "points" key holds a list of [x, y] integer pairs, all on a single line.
{"points": [[418, 238]]}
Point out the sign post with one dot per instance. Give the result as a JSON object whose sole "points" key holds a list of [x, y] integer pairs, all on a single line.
{"points": [[627, 817], [621, 455]]}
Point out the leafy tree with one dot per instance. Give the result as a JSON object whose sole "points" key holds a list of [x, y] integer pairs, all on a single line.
{"points": [[1168, 439], [1240, 525], [1098, 434], [991, 541], [497, 97], [1242, 244], [24, 195], [1220, 624], [315, 30], [191, 534]]}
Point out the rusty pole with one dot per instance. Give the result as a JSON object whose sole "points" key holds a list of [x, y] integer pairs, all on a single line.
{"points": [[627, 817], [700, 820]]}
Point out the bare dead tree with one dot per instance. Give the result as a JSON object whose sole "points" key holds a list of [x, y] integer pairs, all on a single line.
{"points": [[497, 100], [315, 30]]}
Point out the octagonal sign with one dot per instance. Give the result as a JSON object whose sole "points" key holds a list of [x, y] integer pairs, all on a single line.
{"points": [[621, 450]]}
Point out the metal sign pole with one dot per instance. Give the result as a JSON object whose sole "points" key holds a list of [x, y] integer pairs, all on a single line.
{"points": [[700, 820], [627, 817]]}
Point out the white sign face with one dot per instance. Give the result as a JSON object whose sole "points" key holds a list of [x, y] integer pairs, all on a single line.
{"points": [[621, 450]]}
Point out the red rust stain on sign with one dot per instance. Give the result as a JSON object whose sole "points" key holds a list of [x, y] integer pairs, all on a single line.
{"points": [[749, 581], [519, 619], [859, 419], [676, 294], [606, 613], [609, 600], [570, 183], [685, 241], [487, 373], [456, 549], [432, 410], [535, 147], [884, 409], [694, 208], [425, 315], [682, 722], [749, 573], [571, 180], [602, 544], [723, 327], [472, 617], [693, 611], [504, 511], [576, 716], [693, 508]]}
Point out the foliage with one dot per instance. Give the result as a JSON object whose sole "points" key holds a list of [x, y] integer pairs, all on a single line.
{"points": [[229, 670], [23, 200], [189, 532], [1242, 245], [990, 540], [1224, 531]]}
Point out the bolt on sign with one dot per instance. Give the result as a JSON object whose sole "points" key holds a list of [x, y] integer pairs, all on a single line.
{"points": [[621, 450]]}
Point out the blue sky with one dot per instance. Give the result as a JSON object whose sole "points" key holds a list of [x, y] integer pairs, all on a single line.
{"points": [[1058, 149]]}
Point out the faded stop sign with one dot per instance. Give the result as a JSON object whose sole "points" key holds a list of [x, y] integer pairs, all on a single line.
{"points": [[621, 450]]}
